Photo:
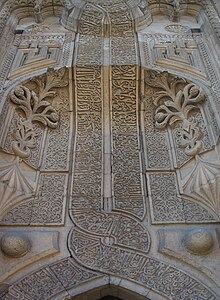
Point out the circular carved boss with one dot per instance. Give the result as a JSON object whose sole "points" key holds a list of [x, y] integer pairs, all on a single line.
{"points": [[199, 242], [15, 244]]}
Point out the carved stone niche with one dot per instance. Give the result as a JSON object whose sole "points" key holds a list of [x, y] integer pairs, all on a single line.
{"points": [[31, 112], [104, 13]]}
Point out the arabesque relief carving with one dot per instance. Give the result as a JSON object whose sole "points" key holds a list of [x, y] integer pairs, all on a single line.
{"points": [[31, 107], [178, 104], [173, 106]]}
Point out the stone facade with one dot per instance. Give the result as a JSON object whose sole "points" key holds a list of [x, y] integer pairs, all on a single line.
{"points": [[109, 149]]}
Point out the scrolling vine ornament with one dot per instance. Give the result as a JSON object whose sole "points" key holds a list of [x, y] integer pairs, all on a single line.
{"points": [[34, 107], [175, 99]]}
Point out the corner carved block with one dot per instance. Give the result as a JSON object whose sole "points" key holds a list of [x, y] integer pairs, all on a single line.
{"points": [[177, 51]]}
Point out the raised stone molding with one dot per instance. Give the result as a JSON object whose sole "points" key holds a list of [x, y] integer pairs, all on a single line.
{"points": [[50, 280]]}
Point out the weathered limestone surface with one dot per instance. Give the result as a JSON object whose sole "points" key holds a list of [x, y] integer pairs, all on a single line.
{"points": [[109, 149]]}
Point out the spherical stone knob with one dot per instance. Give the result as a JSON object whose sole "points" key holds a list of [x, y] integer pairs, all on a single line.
{"points": [[199, 242], [15, 244]]}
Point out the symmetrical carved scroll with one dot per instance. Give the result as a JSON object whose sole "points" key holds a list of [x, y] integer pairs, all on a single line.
{"points": [[166, 280]]}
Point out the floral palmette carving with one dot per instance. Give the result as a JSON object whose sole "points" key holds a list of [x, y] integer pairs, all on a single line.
{"points": [[15, 187], [202, 184], [175, 100], [35, 107]]}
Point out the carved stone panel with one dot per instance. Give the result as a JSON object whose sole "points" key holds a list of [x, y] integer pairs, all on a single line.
{"points": [[35, 108]]}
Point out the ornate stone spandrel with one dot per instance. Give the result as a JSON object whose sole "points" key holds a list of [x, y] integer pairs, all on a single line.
{"points": [[33, 107], [24, 248], [197, 247]]}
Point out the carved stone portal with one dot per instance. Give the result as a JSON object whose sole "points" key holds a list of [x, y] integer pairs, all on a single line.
{"points": [[110, 161]]}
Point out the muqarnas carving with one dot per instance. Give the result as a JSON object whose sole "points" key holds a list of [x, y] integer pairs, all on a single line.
{"points": [[179, 106], [31, 107]]}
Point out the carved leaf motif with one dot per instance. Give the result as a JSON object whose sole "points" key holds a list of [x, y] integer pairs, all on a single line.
{"points": [[174, 105], [33, 108], [36, 108], [54, 79], [191, 137], [24, 137], [22, 97], [166, 83], [202, 185], [178, 107]]}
